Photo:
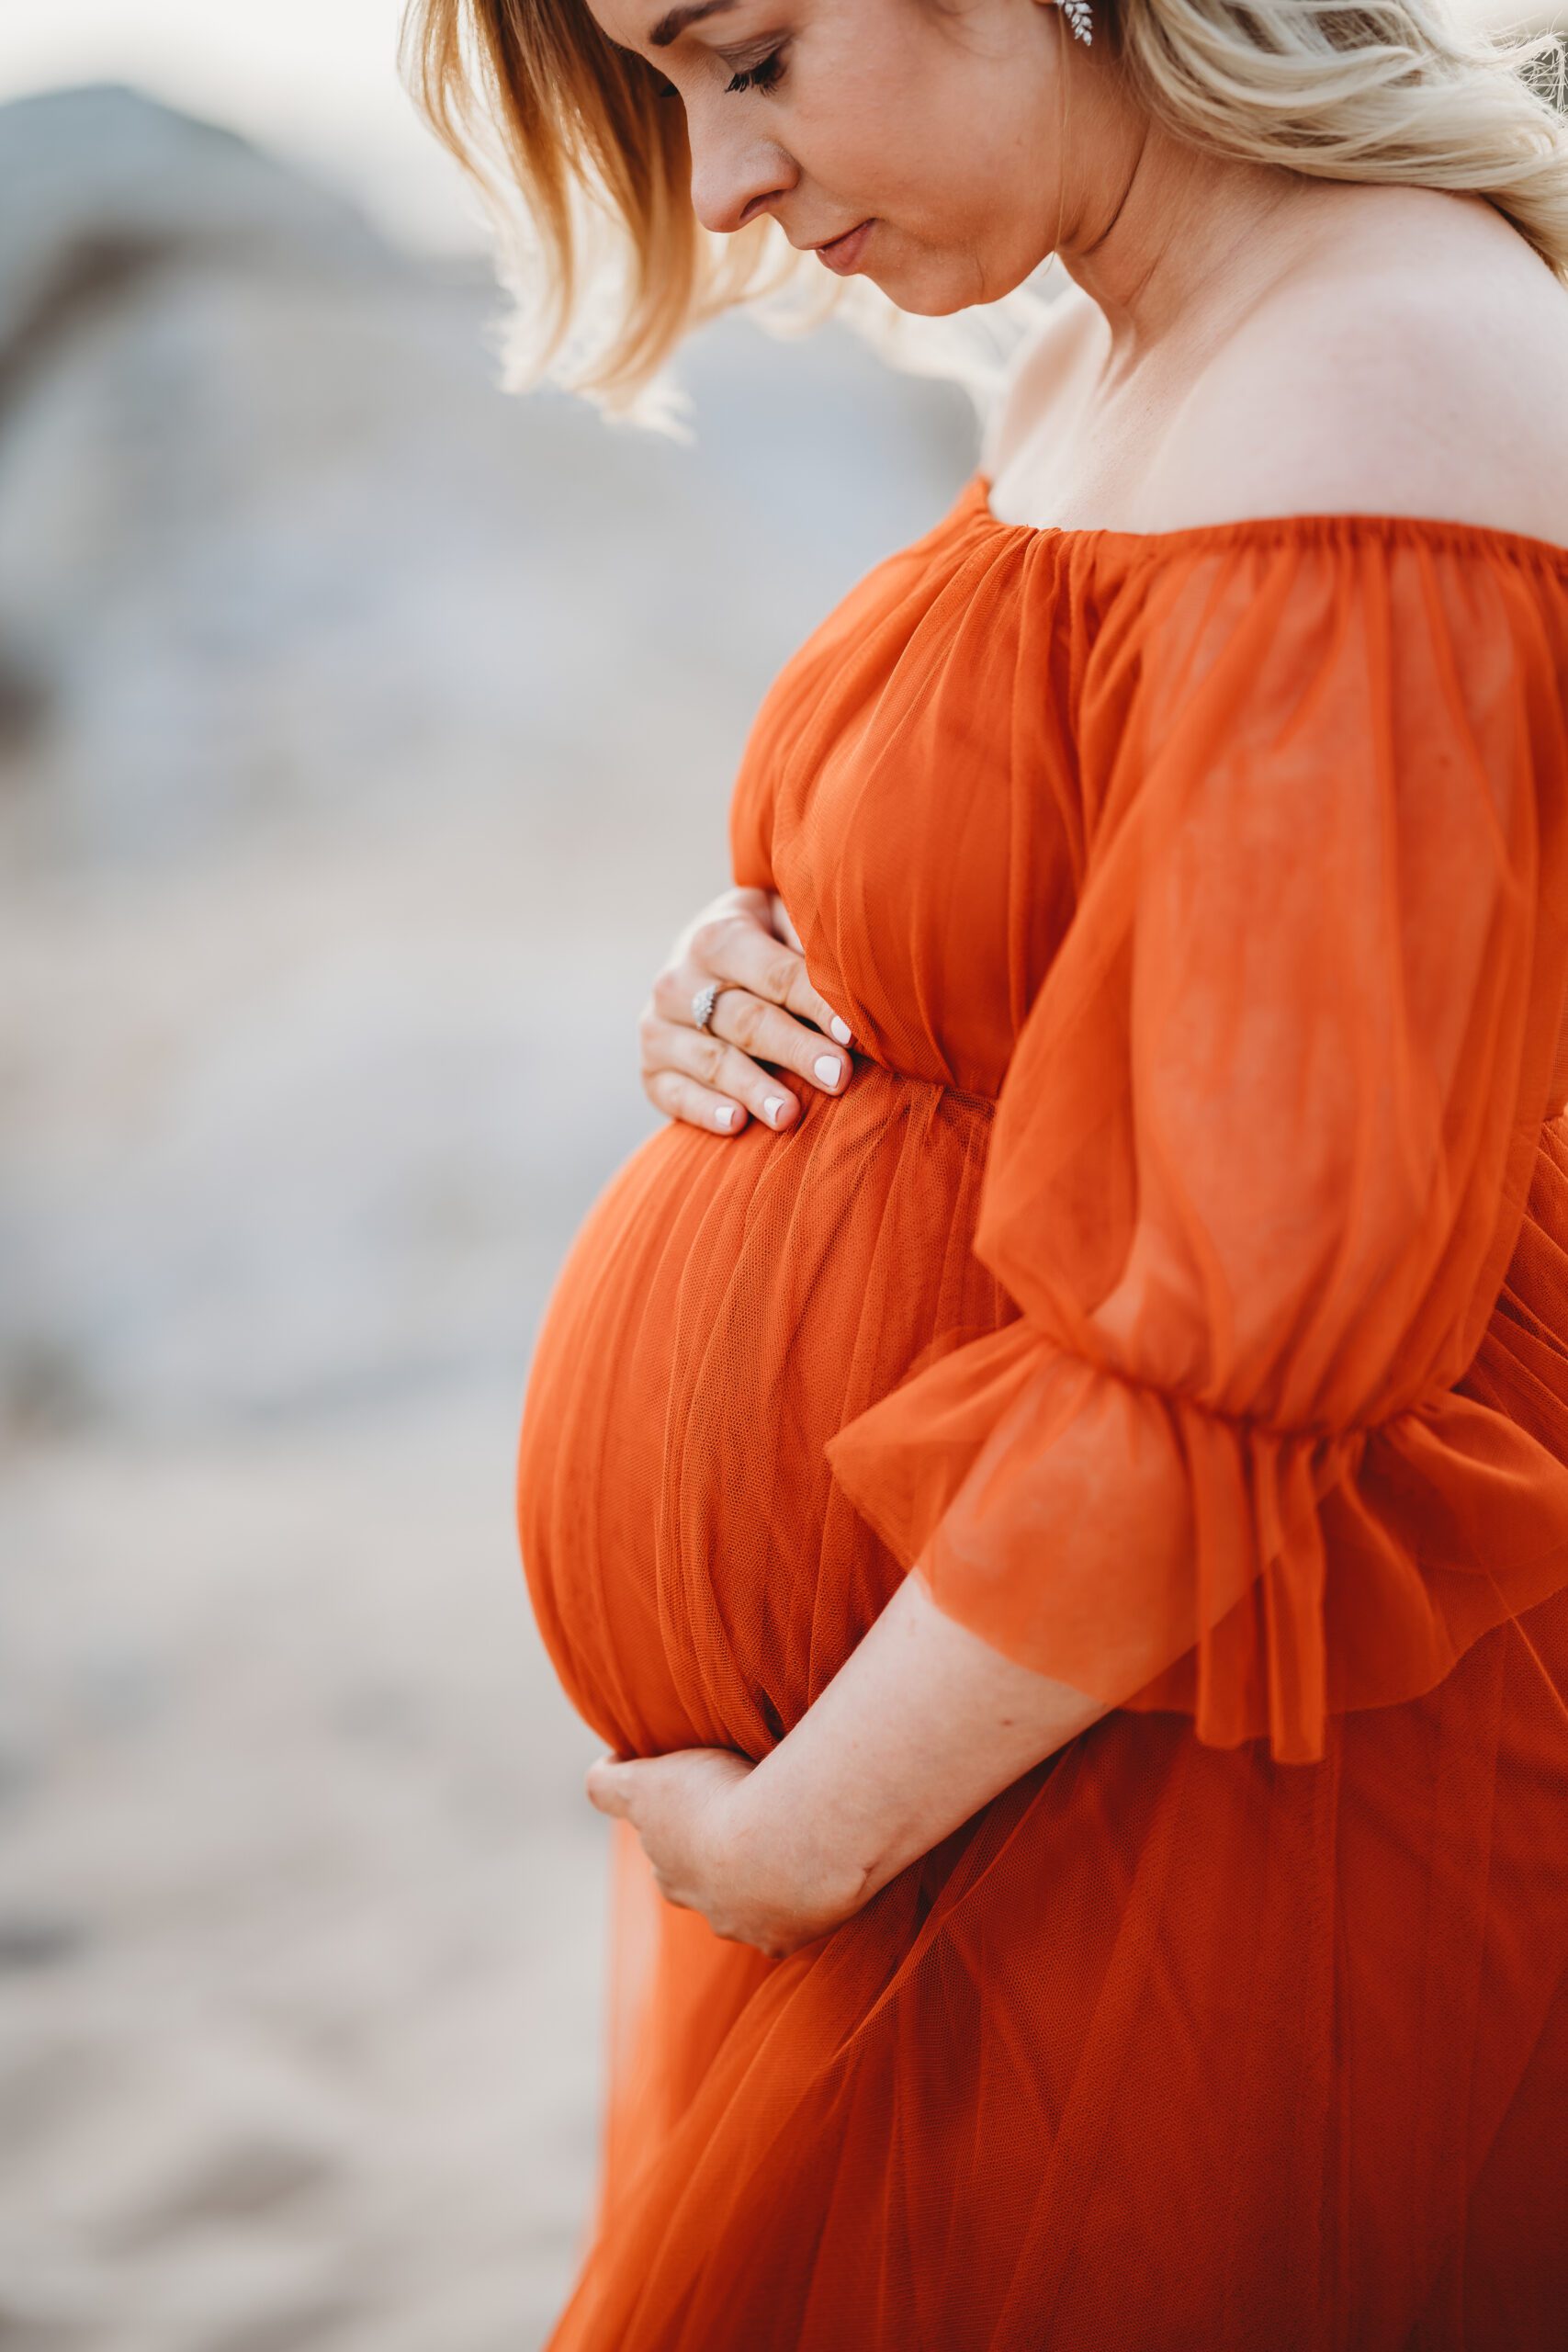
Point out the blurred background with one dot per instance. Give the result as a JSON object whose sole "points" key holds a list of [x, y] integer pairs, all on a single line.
{"points": [[365, 735]]}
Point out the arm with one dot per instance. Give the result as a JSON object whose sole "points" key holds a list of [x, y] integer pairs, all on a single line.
{"points": [[923, 1724]]}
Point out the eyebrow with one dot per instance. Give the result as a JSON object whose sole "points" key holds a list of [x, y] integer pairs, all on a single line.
{"points": [[666, 29]]}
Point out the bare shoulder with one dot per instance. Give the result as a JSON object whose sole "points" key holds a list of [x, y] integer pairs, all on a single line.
{"points": [[1424, 373], [1047, 361]]}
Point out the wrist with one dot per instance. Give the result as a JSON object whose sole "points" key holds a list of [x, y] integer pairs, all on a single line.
{"points": [[787, 1853]]}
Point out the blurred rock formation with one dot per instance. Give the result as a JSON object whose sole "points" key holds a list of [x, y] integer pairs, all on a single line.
{"points": [[285, 582]]}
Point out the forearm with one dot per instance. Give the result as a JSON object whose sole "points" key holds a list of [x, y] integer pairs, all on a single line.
{"points": [[923, 1724]]}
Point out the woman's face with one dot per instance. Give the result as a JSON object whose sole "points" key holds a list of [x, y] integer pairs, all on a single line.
{"points": [[937, 124]]}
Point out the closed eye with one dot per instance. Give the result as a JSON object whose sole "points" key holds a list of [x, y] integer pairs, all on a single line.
{"points": [[765, 76]]}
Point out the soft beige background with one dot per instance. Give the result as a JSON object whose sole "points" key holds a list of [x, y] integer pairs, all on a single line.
{"points": [[365, 737]]}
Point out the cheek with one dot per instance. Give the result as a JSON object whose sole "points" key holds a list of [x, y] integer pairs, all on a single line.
{"points": [[914, 165], [861, 138], [875, 167]]}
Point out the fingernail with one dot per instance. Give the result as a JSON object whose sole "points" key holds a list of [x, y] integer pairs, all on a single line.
{"points": [[724, 1114], [774, 1106], [841, 1030], [828, 1066]]}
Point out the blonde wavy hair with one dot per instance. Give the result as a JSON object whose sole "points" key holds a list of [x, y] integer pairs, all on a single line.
{"points": [[583, 167]]}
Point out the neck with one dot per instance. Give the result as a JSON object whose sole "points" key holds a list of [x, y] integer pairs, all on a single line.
{"points": [[1171, 239]]}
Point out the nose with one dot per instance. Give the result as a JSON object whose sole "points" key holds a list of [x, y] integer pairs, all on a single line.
{"points": [[735, 174]]}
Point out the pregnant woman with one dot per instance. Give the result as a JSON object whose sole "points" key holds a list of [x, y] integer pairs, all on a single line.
{"points": [[1049, 1473]]}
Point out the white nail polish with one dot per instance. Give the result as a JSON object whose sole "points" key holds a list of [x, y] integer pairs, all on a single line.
{"points": [[841, 1030], [724, 1114], [774, 1106], [828, 1066]]}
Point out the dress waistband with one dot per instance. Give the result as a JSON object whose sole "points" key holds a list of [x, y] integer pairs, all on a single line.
{"points": [[932, 1085]]}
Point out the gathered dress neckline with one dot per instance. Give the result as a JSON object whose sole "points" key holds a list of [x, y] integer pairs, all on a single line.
{"points": [[974, 503]]}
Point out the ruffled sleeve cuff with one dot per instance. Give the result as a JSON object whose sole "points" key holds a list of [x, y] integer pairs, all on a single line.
{"points": [[1154, 1554]]}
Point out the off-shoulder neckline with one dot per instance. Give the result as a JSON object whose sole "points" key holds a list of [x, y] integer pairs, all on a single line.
{"points": [[974, 501]]}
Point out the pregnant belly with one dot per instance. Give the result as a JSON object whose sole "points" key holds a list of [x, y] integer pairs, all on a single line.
{"points": [[727, 1305]]}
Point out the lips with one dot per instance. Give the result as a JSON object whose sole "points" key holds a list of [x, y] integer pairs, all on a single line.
{"points": [[841, 253]]}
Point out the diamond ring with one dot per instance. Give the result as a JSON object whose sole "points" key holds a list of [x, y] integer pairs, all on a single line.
{"points": [[703, 1001]]}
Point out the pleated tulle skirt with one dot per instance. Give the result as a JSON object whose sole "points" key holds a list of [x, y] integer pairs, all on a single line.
{"points": [[1170, 2050]]}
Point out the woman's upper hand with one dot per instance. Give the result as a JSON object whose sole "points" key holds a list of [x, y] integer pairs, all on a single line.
{"points": [[766, 1012]]}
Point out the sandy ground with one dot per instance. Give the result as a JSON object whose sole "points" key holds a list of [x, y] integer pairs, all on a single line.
{"points": [[303, 1910]]}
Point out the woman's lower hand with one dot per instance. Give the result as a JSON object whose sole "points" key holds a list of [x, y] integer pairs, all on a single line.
{"points": [[710, 1853], [766, 1011]]}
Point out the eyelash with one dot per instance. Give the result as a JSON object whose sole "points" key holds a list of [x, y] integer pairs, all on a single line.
{"points": [[765, 76]]}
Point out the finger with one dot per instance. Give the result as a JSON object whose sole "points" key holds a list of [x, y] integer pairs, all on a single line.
{"points": [[765, 1033], [680, 1097], [608, 1784], [760, 1030], [784, 924], [741, 898], [719, 1070], [739, 949]]}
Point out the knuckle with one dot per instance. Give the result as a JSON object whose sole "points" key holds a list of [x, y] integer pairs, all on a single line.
{"points": [[667, 994], [747, 1018], [784, 974], [707, 940]]}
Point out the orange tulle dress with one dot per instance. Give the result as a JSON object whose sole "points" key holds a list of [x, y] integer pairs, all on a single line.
{"points": [[1180, 1288]]}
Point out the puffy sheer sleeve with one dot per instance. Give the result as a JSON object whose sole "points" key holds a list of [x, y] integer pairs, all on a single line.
{"points": [[1263, 1151]]}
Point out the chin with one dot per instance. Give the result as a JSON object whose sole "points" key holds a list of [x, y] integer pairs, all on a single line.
{"points": [[937, 294], [930, 296], [935, 308]]}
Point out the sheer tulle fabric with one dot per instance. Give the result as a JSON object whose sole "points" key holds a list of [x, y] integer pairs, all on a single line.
{"points": [[1181, 1289], [1262, 1158]]}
